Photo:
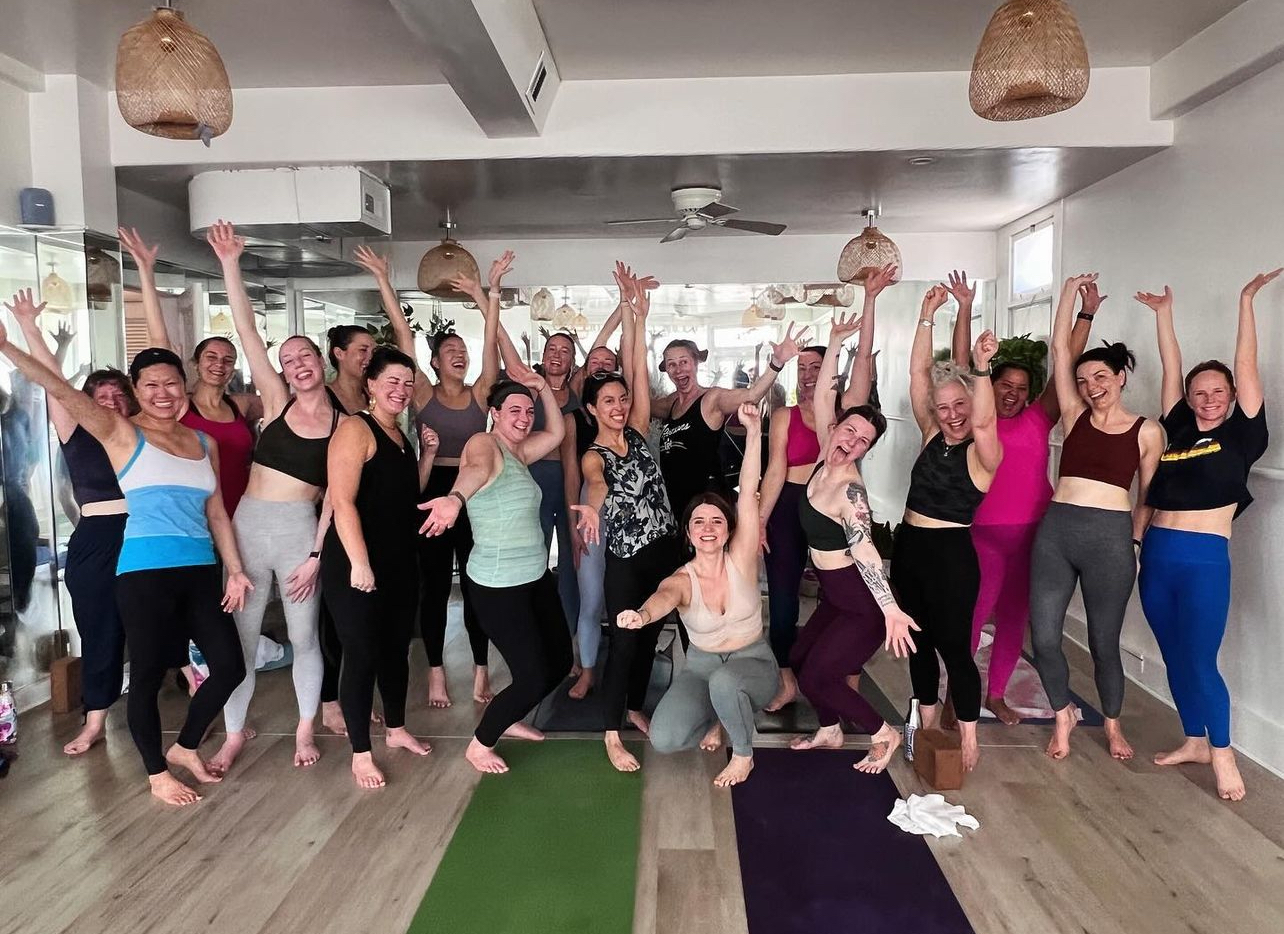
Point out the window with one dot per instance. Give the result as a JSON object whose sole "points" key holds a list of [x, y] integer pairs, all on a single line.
{"points": [[1032, 263]]}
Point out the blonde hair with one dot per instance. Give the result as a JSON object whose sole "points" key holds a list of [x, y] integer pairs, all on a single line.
{"points": [[945, 372]]}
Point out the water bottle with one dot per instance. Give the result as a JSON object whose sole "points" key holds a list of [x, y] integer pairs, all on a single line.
{"points": [[912, 723], [8, 714]]}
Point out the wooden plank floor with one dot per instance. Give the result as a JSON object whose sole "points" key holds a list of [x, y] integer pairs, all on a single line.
{"points": [[1086, 845]]}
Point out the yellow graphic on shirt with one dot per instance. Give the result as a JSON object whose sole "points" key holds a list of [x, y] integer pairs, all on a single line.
{"points": [[1198, 449]]}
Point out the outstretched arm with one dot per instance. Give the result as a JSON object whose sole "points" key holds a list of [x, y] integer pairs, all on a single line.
{"points": [[674, 592], [822, 400], [479, 464], [1169, 348], [721, 403], [921, 360], [26, 311], [744, 545], [1248, 379], [1062, 352], [604, 335], [773, 481], [638, 375], [145, 259], [861, 376], [965, 295], [985, 423], [539, 444], [381, 269], [1091, 301]]}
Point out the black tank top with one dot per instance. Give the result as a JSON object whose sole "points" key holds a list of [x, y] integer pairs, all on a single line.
{"points": [[92, 478], [941, 486], [689, 457], [386, 502], [585, 431], [822, 532], [302, 458]]}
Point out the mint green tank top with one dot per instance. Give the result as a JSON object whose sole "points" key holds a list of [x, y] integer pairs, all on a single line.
{"points": [[508, 544]]}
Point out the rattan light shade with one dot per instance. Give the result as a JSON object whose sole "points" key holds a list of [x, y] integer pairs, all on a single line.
{"points": [[1031, 62], [444, 262], [542, 304], [102, 274], [866, 254], [170, 80]]}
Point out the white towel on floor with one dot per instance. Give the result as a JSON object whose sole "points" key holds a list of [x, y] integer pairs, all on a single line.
{"points": [[924, 814]]}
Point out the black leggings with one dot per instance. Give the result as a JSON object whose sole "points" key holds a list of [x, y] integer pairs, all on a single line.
{"points": [[331, 654], [528, 626], [786, 560], [91, 580], [162, 609], [375, 630], [937, 577], [629, 582], [438, 555]]}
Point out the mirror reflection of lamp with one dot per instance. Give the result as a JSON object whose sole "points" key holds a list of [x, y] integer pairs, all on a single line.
{"points": [[55, 291], [220, 323]]}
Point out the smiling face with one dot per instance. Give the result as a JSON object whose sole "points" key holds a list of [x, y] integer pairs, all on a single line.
{"points": [[301, 364], [1099, 386], [850, 440], [111, 395], [1210, 397], [160, 391], [612, 406], [392, 389], [216, 363], [354, 358], [601, 360], [808, 370], [708, 530], [559, 354], [680, 366], [451, 358], [1011, 392], [513, 419], [952, 406]]}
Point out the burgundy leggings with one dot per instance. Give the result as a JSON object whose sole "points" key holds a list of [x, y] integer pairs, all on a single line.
{"points": [[842, 634]]}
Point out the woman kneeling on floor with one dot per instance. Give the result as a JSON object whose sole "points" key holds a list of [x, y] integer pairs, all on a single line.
{"points": [[730, 670]]}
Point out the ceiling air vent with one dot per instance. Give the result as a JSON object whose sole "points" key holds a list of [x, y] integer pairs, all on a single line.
{"points": [[537, 81]]}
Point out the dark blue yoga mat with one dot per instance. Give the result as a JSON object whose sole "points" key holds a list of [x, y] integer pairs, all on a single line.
{"points": [[817, 853]]}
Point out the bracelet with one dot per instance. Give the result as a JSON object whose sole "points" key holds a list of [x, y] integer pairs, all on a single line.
{"points": [[772, 364], [925, 322], [643, 611], [314, 554], [975, 372], [1084, 316], [459, 496]]}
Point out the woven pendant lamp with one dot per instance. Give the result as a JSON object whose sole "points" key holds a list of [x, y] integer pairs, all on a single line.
{"points": [[102, 273], [1031, 62], [55, 291], [868, 253], [445, 262], [170, 80], [542, 305]]}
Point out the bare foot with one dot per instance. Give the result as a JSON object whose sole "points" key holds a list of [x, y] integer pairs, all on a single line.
{"points": [[1067, 718], [438, 696], [999, 707], [365, 773], [484, 759], [170, 790], [306, 752], [524, 731], [827, 737], [949, 719], [398, 737], [1194, 749], [221, 764], [712, 742], [639, 720], [786, 694], [92, 732], [583, 684], [189, 675], [737, 771], [930, 715], [190, 760], [576, 670], [621, 758], [332, 718], [882, 745], [970, 747], [1230, 784], [1119, 747], [481, 685]]}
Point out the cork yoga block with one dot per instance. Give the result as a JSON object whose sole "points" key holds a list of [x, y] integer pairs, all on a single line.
{"points": [[64, 684], [938, 759]]}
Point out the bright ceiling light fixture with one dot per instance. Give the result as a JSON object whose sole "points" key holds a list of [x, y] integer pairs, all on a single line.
{"points": [[542, 305], [869, 252], [1031, 62], [170, 80], [444, 263]]}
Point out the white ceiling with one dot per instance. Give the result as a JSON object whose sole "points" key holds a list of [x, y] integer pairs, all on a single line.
{"points": [[813, 193], [307, 43]]}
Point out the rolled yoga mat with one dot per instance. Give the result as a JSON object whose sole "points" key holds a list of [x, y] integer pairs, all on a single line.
{"points": [[549, 848], [817, 852]]}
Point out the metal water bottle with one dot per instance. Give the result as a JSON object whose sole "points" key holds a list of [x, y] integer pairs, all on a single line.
{"points": [[912, 723], [8, 714]]}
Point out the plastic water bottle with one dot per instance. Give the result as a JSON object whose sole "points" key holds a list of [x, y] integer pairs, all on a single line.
{"points": [[912, 723], [8, 714]]}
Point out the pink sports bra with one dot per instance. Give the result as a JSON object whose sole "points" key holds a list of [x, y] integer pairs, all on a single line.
{"points": [[803, 447]]}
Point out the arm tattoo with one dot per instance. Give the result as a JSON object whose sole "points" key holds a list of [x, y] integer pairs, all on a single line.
{"points": [[857, 530]]}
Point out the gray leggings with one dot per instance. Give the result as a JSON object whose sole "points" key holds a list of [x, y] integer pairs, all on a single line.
{"points": [[1091, 547], [274, 539], [724, 686]]}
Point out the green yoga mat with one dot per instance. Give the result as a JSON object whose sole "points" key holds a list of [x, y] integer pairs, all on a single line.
{"points": [[549, 848]]}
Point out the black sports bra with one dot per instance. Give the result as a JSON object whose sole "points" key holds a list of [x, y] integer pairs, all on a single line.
{"points": [[281, 449], [941, 485], [823, 533]]}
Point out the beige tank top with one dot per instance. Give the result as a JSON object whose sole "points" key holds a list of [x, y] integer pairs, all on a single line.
{"points": [[738, 627]]}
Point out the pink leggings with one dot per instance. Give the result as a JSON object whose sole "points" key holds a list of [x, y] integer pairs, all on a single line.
{"points": [[1003, 552]]}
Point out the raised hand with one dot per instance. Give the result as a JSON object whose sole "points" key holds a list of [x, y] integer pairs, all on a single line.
{"points": [[750, 416], [898, 640], [1157, 303], [24, 306], [789, 347], [500, 268], [1091, 298], [936, 296], [843, 327], [1074, 283], [64, 335], [470, 287], [144, 255], [983, 351], [527, 377], [442, 513], [222, 238], [958, 287], [587, 523], [1258, 281], [378, 266], [880, 279]]}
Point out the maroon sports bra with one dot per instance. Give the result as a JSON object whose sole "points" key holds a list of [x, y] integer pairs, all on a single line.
{"points": [[1093, 454]]}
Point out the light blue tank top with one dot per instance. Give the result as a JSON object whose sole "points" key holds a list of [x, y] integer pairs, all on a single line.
{"points": [[166, 495], [508, 544]]}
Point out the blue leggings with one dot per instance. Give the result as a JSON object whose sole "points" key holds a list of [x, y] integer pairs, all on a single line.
{"points": [[1185, 590], [554, 516], [591, 576]]}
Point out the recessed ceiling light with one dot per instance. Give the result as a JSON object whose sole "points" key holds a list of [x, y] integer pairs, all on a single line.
{"points": [[922, 160]]}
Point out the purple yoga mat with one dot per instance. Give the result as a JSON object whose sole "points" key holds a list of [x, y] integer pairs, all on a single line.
{"points": [[817, 853]]}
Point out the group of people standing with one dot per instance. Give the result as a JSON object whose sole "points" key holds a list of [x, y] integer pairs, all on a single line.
{"points": [[195, 503]]}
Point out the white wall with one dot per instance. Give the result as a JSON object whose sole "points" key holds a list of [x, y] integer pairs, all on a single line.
{"points": [[1204, 217], [15, 150]]}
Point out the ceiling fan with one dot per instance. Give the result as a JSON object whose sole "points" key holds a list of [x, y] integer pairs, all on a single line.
{"points": [[698, 208]]}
